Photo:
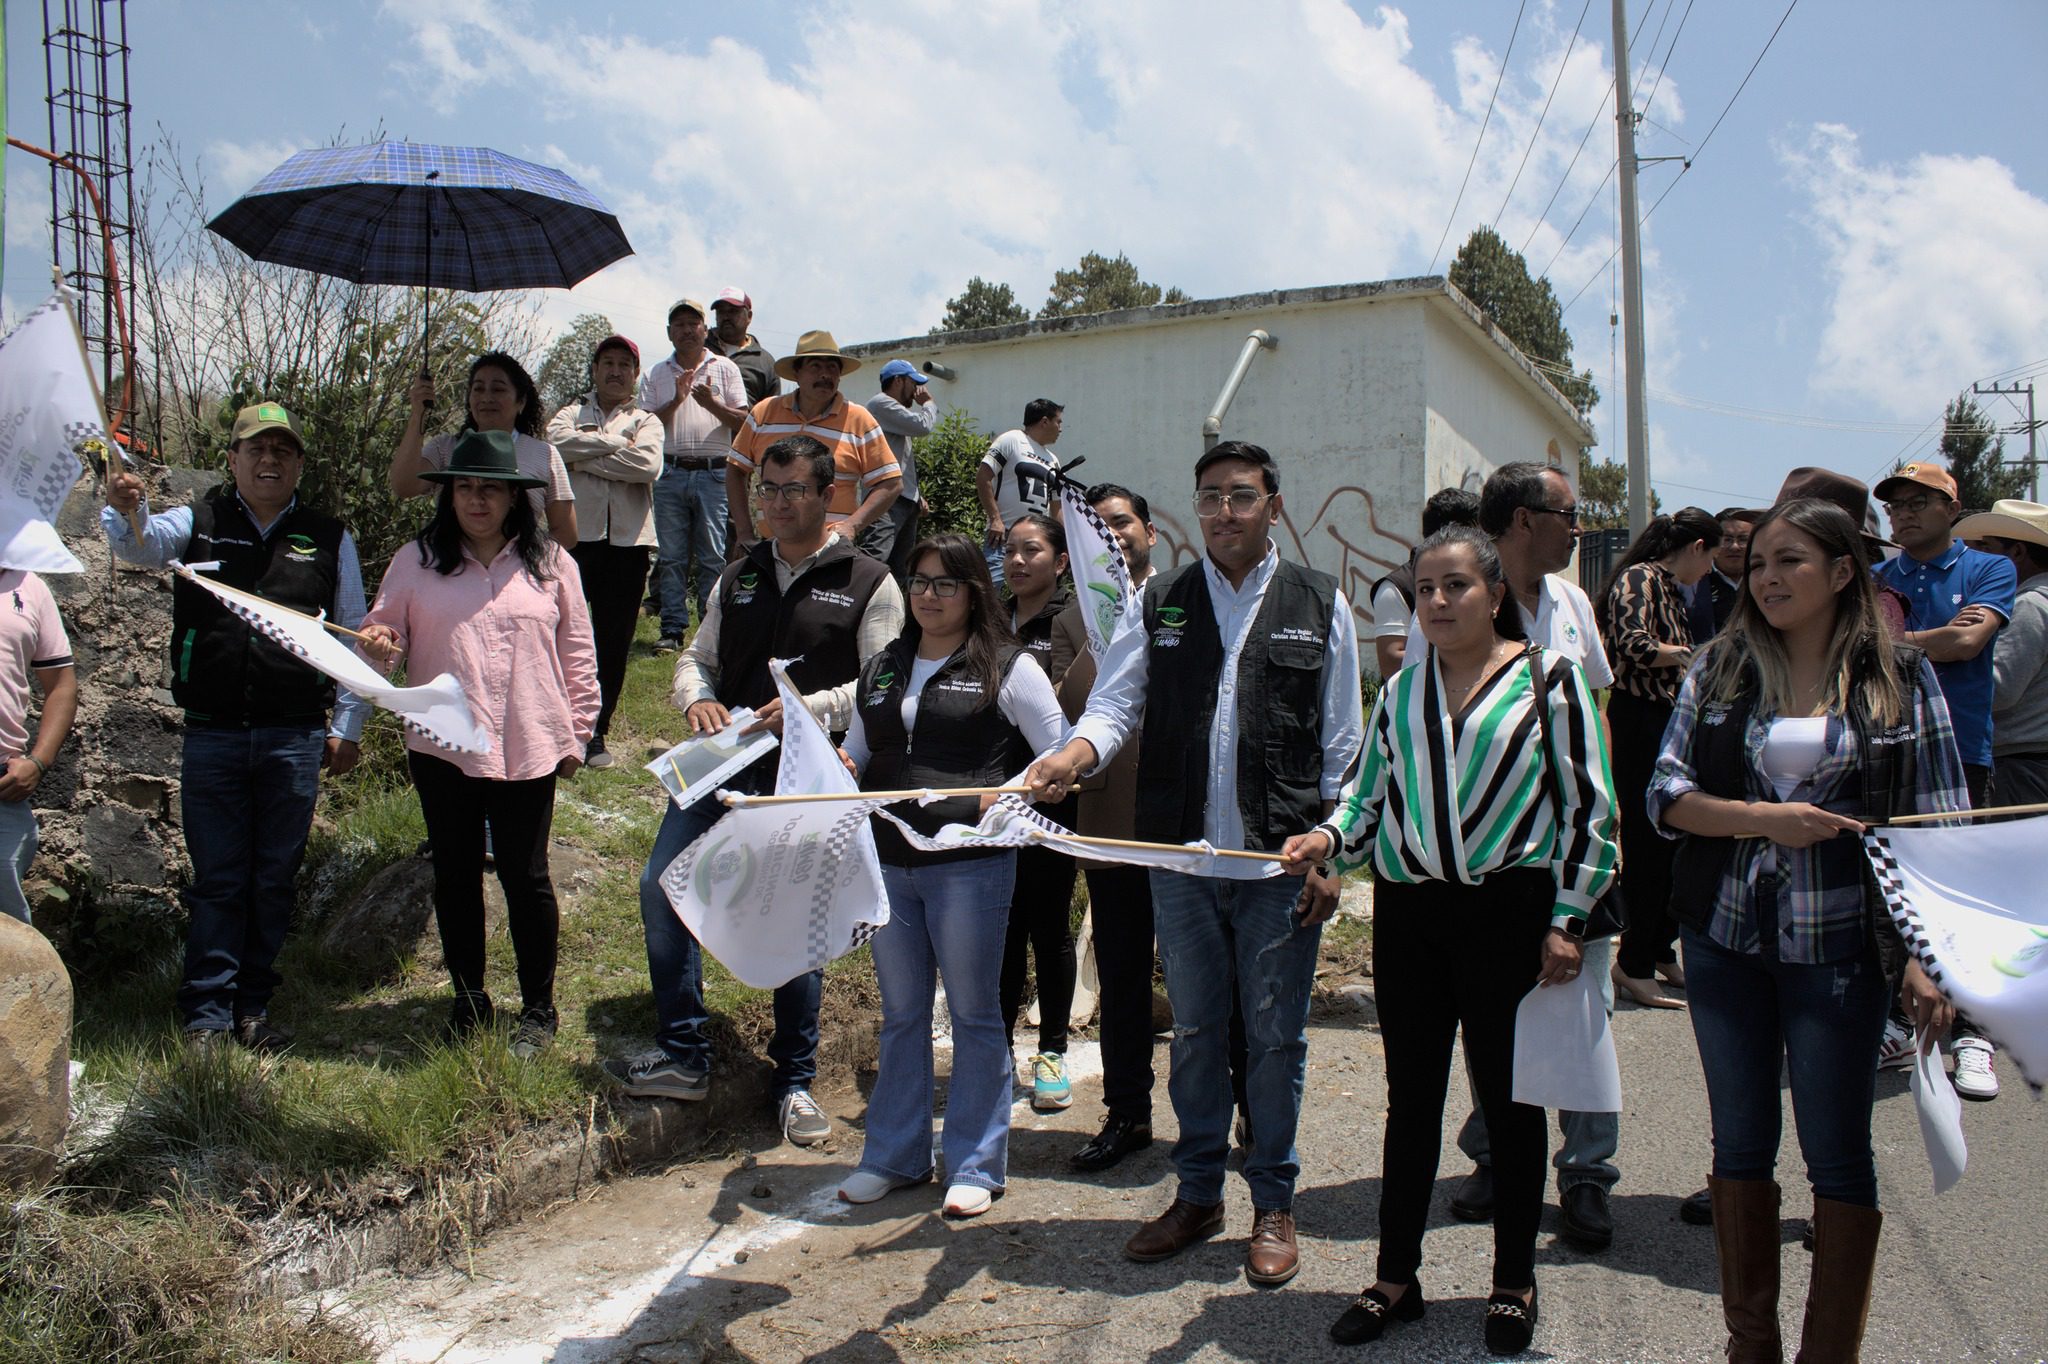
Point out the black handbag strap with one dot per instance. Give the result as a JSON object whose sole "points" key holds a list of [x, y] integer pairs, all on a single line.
{"points": [[1539, 689]]}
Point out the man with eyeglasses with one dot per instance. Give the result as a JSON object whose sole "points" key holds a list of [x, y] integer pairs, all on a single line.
{"points": [[1958, 599], [1713, 597], [1532, 513], [1261, 656], [257, 734], [802, 595]]}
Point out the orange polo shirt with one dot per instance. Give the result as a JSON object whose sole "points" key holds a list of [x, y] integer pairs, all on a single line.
{"points": [[861, 456]]}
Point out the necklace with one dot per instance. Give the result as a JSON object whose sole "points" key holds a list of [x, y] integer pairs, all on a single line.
{"points": [[1460, 691]]}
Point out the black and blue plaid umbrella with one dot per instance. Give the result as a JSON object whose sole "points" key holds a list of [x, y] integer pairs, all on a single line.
{"points": [[434, 217]]}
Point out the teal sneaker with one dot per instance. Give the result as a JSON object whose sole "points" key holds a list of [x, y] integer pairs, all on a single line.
{"points": [[1050, 1089]]}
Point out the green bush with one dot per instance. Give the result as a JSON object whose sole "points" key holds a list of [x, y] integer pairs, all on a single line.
{"points": [[946, 461]]}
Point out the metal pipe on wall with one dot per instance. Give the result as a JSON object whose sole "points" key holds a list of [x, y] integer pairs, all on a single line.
{"points": [[1212, 425]]}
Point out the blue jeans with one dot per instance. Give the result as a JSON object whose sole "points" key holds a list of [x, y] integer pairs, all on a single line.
{"points": [[946, 921], [993, 556], [17, 854], [1211, 932], [689, 525], [1590, 1139], [247, 806], [1752, 1016], [675, 966]]}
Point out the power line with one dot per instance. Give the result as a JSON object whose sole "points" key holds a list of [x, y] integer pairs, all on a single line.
{"points": [[1688, 163], [1665, 65], [1481, 140], [1558, 80], [1591, 200], [1565, 179]]}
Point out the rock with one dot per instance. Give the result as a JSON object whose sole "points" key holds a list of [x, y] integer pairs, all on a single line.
{"points": [[390, 918], [35, 1056], [763, 1191], [119, 846], [1355, 900]]}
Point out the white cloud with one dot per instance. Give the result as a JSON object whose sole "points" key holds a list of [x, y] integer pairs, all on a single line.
{"points": [[232, 167], [886, 156], [1936, 268]]}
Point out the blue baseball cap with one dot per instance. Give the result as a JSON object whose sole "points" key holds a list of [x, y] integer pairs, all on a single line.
{"points": [[897, 369]]}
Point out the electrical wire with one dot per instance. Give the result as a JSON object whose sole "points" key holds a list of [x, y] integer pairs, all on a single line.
{"points": [[1591, 200], [1480, 141], [1664, 65], [1687, 165], [1558, 80], [1565, 179]]}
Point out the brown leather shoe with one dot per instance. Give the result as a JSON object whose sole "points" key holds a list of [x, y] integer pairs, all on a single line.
{"points": [[1272, 1257], [1174, 1230]]}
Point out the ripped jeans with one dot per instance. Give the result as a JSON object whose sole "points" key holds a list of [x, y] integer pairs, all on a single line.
{"points": [[1211, 932]]}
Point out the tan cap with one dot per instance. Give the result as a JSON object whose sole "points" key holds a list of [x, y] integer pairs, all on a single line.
{"points": [[1926, 475], [257, 418], [692, 304]]}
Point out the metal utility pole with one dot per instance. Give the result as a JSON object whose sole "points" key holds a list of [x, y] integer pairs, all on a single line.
{"points": [[2013, 391], [1637, 411]]}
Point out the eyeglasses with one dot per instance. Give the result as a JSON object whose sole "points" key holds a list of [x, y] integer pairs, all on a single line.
{"points": [[1209, 502], [787, 492], [938, 587], [1913, 506], [1570, 514]]}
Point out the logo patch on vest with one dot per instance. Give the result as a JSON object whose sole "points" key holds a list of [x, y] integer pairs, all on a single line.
{"points": [[1715, 712], [744, 587], [300, 549], [1172, 620], [883, 681], [829, 597], [1296, 634]]}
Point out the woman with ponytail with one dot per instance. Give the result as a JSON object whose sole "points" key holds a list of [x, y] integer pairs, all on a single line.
{"points": [[1643, 622]]}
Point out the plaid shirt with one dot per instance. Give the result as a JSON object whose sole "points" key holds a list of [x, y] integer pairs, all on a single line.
{"points": [[1820, 919]]}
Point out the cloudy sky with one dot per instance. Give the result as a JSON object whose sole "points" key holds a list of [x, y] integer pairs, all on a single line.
{"points": [[1864, 231]]}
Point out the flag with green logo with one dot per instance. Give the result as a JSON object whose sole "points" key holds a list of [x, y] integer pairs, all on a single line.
{"points": [[1102, 580]]}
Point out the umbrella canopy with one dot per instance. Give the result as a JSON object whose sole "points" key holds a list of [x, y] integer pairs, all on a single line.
{"points": [[435, 217]]}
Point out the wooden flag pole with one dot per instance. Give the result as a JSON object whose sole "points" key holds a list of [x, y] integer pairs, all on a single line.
{"points": [[2040, 809], [1171, 847], [733, 798], [270, 605]]}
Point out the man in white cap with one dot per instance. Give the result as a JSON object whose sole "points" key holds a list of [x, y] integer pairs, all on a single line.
{"points": [[905, 411], [868, 479], [701, 400], [734, 313]]}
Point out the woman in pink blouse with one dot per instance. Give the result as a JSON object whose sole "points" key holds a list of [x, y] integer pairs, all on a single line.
{"points": [[491, 599]]}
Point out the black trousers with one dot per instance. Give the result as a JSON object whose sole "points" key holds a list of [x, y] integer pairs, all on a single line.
{"points": [[1120, 906], [613, 576], [1494, 931], [1041, 924], [521, 813], [1646, 855]]}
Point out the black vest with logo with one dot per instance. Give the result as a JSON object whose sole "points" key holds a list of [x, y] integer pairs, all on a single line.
{"points": [[1882, 784], [222, 671], [815, 626], [1279, 699], [1036, 634], [961, 740]]}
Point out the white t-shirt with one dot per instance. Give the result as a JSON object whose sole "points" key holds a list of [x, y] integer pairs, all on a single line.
{"points": [[1390, 612], [1023, 470], [1793, 748], [1563, 622]]}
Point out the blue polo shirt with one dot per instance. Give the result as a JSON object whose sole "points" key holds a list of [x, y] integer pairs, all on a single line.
{"points": [[1938, 590]]}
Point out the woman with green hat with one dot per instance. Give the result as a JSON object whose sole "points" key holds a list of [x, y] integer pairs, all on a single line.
{"points": [[493, 600]]}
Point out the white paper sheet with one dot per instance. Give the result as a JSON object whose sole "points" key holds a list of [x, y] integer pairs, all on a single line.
{"points": [[693, 768], [1564, 1050], [1941, 1120]]}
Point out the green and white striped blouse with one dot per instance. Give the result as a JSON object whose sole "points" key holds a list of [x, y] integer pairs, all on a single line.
{"points": [[1439, 797]]}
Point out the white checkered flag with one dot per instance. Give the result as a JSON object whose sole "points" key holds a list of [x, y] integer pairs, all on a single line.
{"points": [[1102, 580], [49, 412], [776, 891]]}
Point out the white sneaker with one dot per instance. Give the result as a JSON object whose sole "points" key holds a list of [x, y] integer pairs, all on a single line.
{"points": [[803, 1122], [968, 1200], [1974, 1077], [1895, 1051], [865, 1186]]}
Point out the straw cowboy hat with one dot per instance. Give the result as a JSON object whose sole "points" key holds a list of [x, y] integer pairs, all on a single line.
{"points": [[2008, 519], [814, 346]]}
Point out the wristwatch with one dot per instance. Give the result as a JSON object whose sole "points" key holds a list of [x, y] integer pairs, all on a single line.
{"points": [[1571, 925]]}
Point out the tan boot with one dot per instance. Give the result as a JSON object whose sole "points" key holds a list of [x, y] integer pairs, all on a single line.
{"points": [[1746, 1243], [1838, 1299]]}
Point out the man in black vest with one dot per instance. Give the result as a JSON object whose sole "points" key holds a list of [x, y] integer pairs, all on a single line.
{"points": [[256, 717], [1713, 597], [1259, 656], [803, 594]]}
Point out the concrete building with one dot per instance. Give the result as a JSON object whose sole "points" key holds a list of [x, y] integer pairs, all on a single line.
{"points": [[1371, 396]]}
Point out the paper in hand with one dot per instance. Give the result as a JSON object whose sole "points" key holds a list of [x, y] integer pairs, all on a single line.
{"points": [[1564, 1050]]}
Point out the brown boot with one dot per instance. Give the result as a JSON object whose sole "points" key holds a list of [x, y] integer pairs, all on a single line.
{"points": [[1838, 1299], [1746, 1243]]}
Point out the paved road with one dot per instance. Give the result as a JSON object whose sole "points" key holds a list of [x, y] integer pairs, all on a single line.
{"points": [[750, 1258]]}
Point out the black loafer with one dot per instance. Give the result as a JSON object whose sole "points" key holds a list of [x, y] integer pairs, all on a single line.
{"points": [[1510, 1322], [1698, 1210], [1365, 1319], [1473, 1202], [1117, 1139], [1587, 1222]]}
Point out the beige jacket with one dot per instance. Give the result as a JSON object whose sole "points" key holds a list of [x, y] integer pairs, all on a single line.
{"points": [[613, 460], [1108, 802]]}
